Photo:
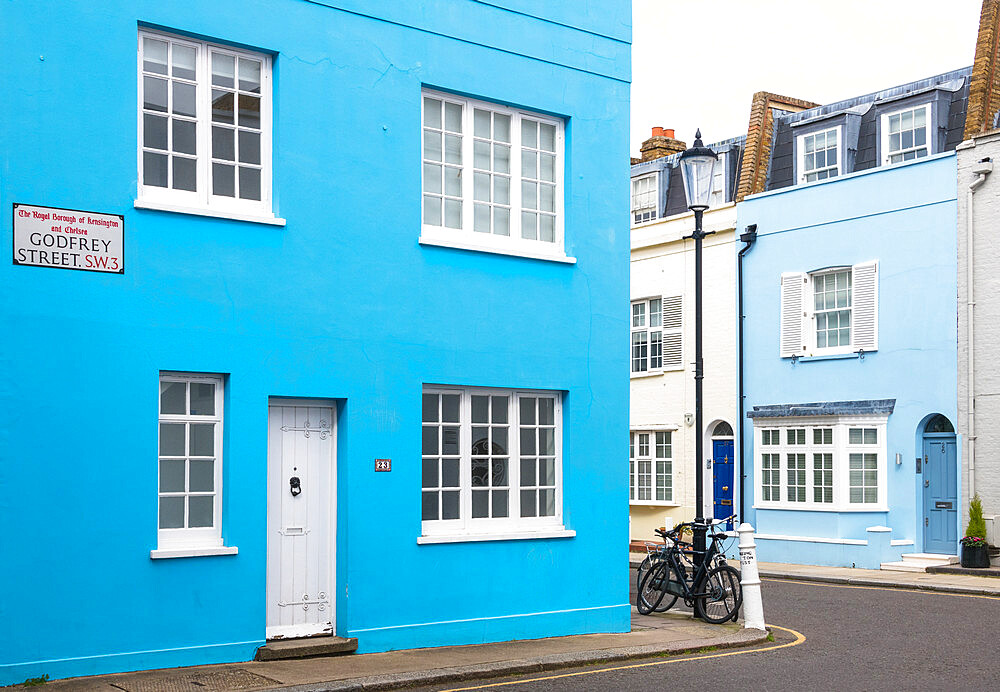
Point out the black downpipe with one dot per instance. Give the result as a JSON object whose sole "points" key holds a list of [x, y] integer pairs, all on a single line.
{"points": [[748, 238]]}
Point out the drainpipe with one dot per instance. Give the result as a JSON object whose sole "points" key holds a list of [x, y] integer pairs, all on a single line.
{"points": [[748, 238], [981, 169]]}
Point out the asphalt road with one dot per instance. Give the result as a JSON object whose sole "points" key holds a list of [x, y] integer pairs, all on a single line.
{"points": [[855, 639]]}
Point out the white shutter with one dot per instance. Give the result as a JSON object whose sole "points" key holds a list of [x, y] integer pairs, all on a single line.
{"points": [[865, 307], [673, 320], [792, 332]]}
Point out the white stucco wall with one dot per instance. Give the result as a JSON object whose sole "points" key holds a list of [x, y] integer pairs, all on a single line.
{"points": [[663, 264], [986, 273]]}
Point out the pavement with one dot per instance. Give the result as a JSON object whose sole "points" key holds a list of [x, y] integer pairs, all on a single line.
{"points": [[652, 635], [659, 634]]}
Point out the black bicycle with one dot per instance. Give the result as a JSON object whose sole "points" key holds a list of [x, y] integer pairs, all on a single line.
{"points": [[712, 587]]}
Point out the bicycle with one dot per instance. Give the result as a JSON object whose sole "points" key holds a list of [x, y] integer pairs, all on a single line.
{"points": [[712, 588]]}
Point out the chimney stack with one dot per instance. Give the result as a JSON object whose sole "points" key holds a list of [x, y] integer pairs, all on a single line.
{"points": [[662, 143]]}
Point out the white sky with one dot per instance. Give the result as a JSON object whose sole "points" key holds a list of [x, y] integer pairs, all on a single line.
{"points": [[808, 49]]}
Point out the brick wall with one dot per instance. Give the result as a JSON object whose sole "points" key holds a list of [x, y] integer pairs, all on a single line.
{"points": [[984, 86]]}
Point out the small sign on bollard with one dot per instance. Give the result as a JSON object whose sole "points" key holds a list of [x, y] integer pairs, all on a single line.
{"points": [[753, 607]]}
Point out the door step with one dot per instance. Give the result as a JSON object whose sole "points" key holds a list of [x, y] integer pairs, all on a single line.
{"points": [[307, 647], [919, 562]]}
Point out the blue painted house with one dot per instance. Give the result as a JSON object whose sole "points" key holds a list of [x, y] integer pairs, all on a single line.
{"points": [[849, 328], [306, 327]]}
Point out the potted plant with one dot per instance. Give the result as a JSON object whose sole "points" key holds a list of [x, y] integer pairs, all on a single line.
{"points": [[974, 552]]}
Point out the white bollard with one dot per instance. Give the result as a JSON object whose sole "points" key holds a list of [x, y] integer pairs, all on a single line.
{"points": [[753, 607]]}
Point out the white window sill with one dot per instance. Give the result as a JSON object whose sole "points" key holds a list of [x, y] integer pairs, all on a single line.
{"points": [[513, 252], [516, 536], [161, 554], [205, 211], [652, 503], [803, 507]]}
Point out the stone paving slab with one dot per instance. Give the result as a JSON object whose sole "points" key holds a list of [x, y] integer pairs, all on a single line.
{"points": [[651, 635], [953, 583]]}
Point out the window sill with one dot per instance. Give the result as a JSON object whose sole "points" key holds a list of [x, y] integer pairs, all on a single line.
{"points": [[652, 503], [829, 356], [476, 247], [205, 211], [643, 375], [515, 536], [816, 508], [161, 554]]}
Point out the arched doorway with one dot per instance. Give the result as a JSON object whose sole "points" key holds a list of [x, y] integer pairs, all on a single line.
{"points": [[939, 475], [722, 471]]}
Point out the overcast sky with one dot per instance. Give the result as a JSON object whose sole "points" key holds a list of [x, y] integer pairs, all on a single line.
{"points": [[697, 63]]}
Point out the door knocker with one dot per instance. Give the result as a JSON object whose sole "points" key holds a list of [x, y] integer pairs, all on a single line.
{"points": [[295, 485]]}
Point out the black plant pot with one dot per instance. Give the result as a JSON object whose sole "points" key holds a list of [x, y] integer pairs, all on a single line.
{"points": [[975, 556]]}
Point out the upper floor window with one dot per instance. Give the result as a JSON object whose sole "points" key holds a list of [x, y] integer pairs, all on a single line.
{"points": [[656, 334], [904, 134], [204, 125], [829, 311], [719, 182], [819, 157], [492, 175], [644, 199]]}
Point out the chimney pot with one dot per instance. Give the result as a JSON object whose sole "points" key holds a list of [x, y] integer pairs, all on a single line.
{"points": [[658, 132]]}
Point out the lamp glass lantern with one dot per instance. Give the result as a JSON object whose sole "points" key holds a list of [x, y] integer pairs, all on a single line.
{"points": [[697, 170]]}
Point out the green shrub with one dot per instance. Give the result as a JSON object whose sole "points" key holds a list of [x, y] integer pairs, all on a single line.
{"points": [[977, 526]]}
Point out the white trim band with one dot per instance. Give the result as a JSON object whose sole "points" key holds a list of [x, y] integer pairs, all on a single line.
{"points": [[811, 539], [470, 538]]}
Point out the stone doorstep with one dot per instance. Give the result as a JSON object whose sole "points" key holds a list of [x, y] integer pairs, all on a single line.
{"points": [[307, 647], [919, 562]]}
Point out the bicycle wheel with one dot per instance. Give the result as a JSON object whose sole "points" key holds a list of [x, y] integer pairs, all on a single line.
{"points": [[724, 595], [668, 600], [649, 597]]}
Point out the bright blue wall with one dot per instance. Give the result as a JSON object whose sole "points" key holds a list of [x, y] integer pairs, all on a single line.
{"points": [[904, 217], [340, 303]]}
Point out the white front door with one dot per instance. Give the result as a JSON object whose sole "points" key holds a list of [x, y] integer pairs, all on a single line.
{"points": [[301, 519]]}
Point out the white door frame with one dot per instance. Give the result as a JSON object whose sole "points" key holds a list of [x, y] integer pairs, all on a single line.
{"points": [[331, 567]]}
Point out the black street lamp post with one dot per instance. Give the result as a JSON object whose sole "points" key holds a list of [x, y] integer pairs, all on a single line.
{"points": [[697, 169]]}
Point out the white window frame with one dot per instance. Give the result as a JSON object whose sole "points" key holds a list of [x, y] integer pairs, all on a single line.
{"points": [[467, 238], [928, 131], [653, 456], [797, 322], [839, 448], [200, 537], [645, 213], [202, 200], [800, 149], [513, 526], [719, 179], [668, 327]]}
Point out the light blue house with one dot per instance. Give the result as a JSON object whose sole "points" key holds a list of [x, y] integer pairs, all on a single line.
{"points": [[850, 338], [306, 327]]}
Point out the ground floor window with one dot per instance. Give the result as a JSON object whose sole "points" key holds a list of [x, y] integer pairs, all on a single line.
{"points": [[491, 460], [189, 508], [651, 467], [829, 464]]}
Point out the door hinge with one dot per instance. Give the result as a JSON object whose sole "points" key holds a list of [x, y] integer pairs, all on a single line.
{"points": [[926, 521]]}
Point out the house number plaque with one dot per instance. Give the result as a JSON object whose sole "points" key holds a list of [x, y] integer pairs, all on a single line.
{"points": [[383, 464]]}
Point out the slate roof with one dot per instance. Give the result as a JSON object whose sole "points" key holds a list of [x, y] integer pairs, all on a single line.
{"points": [[671, 190], [824, 408], [860, 116]]}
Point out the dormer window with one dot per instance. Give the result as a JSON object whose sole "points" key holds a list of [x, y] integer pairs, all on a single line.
{"points": [[904, 135], [644, 194], [819, 155], [719, 182]]}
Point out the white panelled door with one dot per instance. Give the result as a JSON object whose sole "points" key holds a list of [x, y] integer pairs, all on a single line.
{"points": [[301, 519]]}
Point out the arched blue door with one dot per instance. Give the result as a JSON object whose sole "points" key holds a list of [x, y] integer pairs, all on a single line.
{"points": [[940, 490], [722, 475]]}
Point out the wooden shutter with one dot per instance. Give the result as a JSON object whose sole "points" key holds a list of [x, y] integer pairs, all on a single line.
{"points": [[792, 332], [865, 307], [673, 319]]}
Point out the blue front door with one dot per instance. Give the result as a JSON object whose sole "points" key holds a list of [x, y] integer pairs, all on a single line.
{"points": [[940, 481], [722, 474]]}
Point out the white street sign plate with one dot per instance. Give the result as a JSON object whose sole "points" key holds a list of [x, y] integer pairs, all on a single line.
{"points": [[69, 239]]}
